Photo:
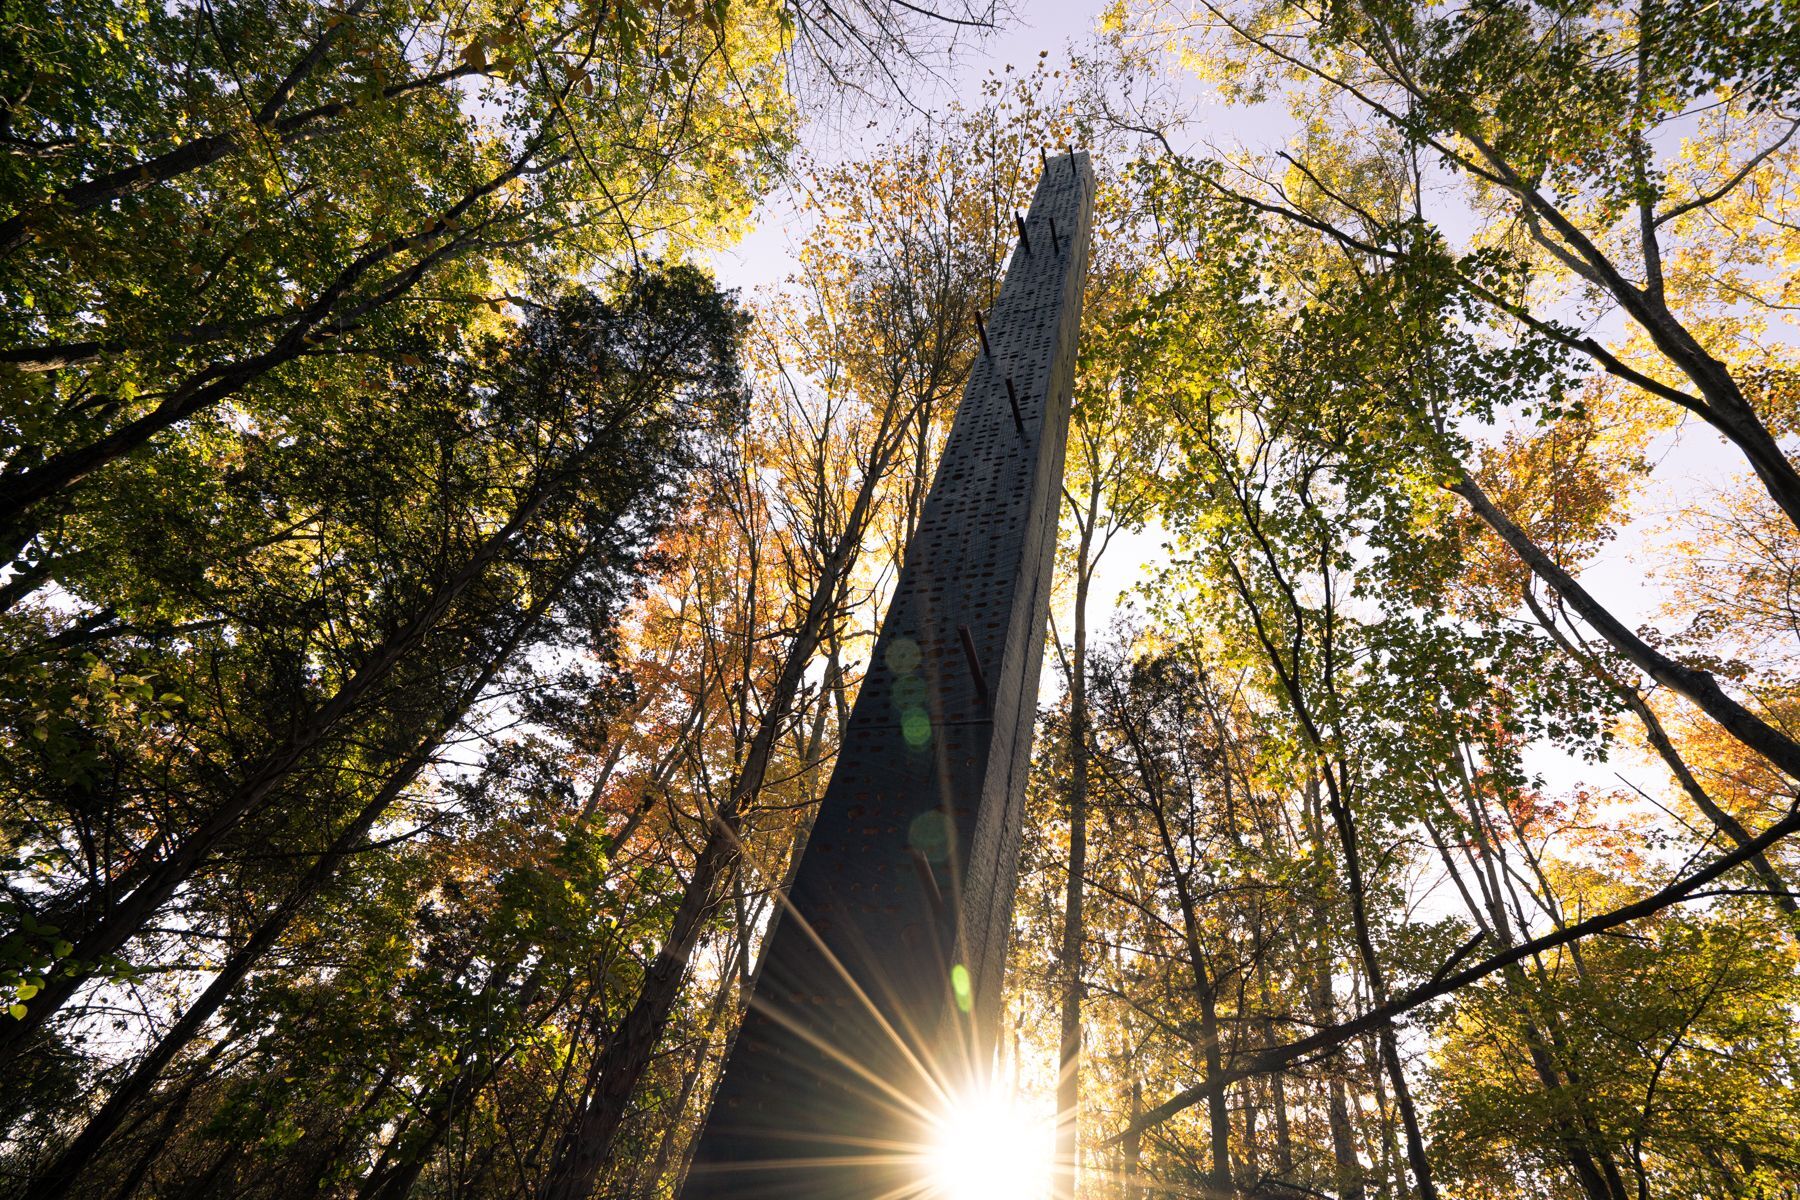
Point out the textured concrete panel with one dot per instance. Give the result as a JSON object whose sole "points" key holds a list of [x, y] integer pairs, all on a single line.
{"points": [[882, 981]]}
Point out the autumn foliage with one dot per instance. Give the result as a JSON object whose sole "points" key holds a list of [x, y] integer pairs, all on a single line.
{"points": [[431, 598]]}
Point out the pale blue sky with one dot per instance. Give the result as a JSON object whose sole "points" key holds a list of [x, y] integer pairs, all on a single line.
{"points": [[763, 257]]}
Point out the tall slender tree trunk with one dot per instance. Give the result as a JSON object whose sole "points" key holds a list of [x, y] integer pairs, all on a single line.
{"points": [[1350, 1174], [586, 1143], [1698, 686], [1393, 1176], [1348, 1166], [1131, 1151], [1284, 1137], [1068, 1079], [171, 1121], [1252, 1110], [1217, 1183], [1344, 821], [56, 1180], [1284, 1134], [1572, 1134], [690, 1078], [836, 696], [1388, 1043], [1660, 741], [152, 886], [612, 1078]]}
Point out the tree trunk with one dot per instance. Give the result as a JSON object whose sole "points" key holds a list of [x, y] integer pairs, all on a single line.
{"points": [[1068, 1079], [1571, 1134], [1348, 1175], [1696, 685], [1131, 1151], [691, 1078], [156, 882], [1372, 970], [1350, 1182], [1336, 797], [333, 309], [1659, 740], [1216, 1184], [586, 1141], [56, 1180]]}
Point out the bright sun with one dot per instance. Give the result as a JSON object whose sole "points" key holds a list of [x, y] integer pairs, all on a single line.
{"points": [[988, 1147]]}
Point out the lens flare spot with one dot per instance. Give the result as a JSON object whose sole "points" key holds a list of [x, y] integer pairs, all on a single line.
{"points": [[959, 984], [903, 656]]}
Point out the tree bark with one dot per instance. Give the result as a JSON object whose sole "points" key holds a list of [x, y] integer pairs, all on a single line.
{"points": [[1660, 741], [157, 881], [586, 1143], [1068, 1080], [57, 1179], [29, 489], [1696, 685]]}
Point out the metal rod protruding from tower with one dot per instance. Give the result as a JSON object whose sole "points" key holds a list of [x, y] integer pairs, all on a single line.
{"points": [[981, 329], [934, 895], [1024, 238], [1012, 398], [967, 638]]}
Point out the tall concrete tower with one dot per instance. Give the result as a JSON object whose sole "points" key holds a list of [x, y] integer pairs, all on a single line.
{"points": [[880, 988]]}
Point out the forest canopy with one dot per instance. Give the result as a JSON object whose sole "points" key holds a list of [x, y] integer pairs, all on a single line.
{"points": [[436, 574]]}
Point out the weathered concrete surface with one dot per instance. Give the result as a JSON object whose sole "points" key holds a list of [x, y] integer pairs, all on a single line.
{"points": [[882, 982]]}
